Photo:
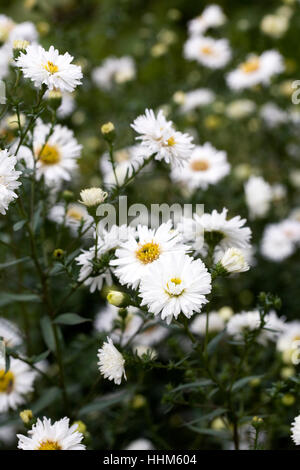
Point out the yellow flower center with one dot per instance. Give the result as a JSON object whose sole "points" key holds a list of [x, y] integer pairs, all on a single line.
{"points": [[50, 67], [199, 165], [251, 65], [207, 50], [296, 338], [171, 142], [148, 252], [49, 155], [6, 381], [49, 445], [74, 213], [176, 280]]}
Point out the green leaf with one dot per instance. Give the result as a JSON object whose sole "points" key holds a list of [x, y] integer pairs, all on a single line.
{"points": [[70, 319], [106, 402], [47, 332], [208, 416], [18, 225], [8, 298], [47, 398], [244, 381], [14, 262], [39, 357], [191, 385], [212, 345]]}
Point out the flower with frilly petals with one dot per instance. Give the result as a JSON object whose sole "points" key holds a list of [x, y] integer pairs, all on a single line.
{"points": [[111, 362]]}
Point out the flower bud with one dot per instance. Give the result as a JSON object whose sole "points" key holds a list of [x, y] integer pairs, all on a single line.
{"points": [[54, 98], [92, 196], [19, 45], [288, 399], [26, 416], [81, 427], [118, 299], [225, 313], [233, 261], [108, 131], [68, 195], [58, 253], [257, 422]]}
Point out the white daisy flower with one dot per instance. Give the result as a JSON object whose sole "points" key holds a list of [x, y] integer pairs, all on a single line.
{"points": [[207, 51], [93, 281], [10, 333], [56, 155], [215, 324], [57, 436], [295, 430], [206, 166], [5, 60], [49, 68], [114, 237], [275, 245], [73, 216], [111, 362], [196, 99], [8, 180], [256, 70], [114, 70], [175, 284], [134, 257], [211, 17], [159, 137], [15, 384], [233, 261], [245, 322], [232, 231], [258, 195], [25, 31]]}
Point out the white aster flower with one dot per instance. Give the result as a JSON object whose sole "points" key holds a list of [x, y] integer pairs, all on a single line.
{"points": [[74, 216], [196, 99], [111, 362], [5, 60], [258, 196], [57, 436], [134, 257], [49, 68], [15, 384], [114, 70], [56, 156], [10, 333], [274, 25], [151, 335], [233, 233], [233, 261], [295, 430], [210, 52], [6, 27], [211, 17], [207, 166], [25, 31], [8, 180], [159, 137], [256, 70], [175, 284], [215, 324]]}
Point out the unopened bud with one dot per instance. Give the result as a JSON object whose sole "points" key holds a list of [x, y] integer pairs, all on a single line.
{"points": [[118, 299], [54, 98], [58, 253], [26, 416], [19, 45], [92, 196]]}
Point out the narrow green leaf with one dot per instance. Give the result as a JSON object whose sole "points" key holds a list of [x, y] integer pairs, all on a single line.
{"points": [[18, 225], [244, 381], [47, 333], [14, 262], [8, 298], [70, 319]]}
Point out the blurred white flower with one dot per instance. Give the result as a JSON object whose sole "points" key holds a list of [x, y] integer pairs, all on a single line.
{"points": [[10, 333], [73, 216], [210, 52], [207, 166], [274, 25], [258, 195], [273, 115], [196, 99], [15, 384], [114, 70], [256, 70], [238, 109], [211, 17], [215, 323]]}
